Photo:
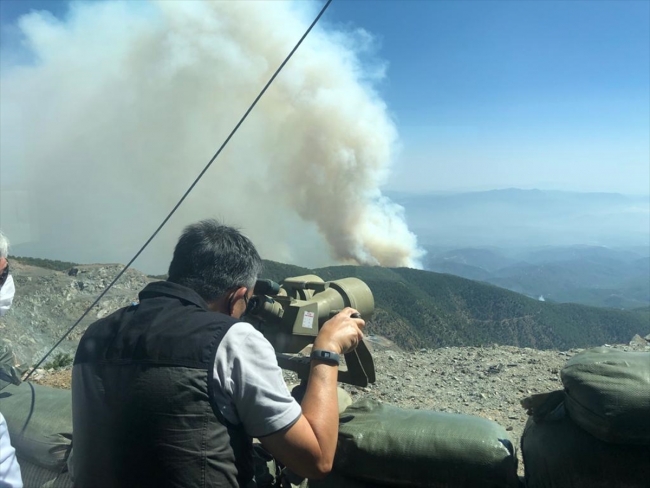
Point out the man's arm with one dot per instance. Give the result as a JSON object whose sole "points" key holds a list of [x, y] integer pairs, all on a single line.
{"points": [[309, 445]]}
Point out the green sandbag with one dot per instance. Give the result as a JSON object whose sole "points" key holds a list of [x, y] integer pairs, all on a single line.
{"points": [[335, 480], [37, 477], [559, 454], [398, 447], [39, 419], [608, 394], [9, 373]]}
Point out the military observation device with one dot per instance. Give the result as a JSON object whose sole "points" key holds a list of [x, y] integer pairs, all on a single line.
{"points": [[291, 314]]}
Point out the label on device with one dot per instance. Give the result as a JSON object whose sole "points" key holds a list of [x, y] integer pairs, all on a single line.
{"points": [[308, 320]]}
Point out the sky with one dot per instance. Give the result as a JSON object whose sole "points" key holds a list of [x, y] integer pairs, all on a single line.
{"points": [[487, 94], [108, 111], [496, 94]]}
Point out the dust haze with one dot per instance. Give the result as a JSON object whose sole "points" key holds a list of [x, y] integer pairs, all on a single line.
{"points": [[123, 103]]}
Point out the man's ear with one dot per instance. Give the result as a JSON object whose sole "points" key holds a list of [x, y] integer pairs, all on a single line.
{"points": [[238, 295]]}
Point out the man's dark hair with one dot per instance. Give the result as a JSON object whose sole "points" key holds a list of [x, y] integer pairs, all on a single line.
{"points": [[211, 258]]}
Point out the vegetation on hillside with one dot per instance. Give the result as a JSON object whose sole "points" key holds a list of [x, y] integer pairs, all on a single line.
{"points": [[60, 360], [44, 263], [418, 309], [278, 271], [644, 313]]}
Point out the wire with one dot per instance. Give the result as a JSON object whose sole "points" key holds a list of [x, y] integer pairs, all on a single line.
{"points": [[207, 166]]}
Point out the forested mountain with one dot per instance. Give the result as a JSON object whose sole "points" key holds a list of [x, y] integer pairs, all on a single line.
{"points": [[414, 308], [425, 309]]}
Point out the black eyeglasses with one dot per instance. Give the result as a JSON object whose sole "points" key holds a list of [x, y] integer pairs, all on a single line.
{"points": [[251, 303]]}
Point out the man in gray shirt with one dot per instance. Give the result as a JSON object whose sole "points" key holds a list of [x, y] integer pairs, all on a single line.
{"points": [[169, 392]]}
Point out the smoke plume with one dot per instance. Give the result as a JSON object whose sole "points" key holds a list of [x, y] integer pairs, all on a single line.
{"points": [[123, 103]]}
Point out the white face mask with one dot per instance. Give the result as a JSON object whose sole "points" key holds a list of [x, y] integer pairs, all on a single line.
{"points": [[7, 295]]}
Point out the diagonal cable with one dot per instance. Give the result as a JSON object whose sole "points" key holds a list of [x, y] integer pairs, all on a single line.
{"points": [[207, 166]]}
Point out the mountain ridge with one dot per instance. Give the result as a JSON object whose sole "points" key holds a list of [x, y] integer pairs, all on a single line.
{"points": [[590, 275], [415, 309]]}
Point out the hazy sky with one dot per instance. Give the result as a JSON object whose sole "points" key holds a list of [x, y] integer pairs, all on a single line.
{"points": [[108, 111], [492, 94]]}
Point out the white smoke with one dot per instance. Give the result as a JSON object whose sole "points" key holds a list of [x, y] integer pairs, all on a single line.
{"points": [[125, 102]]}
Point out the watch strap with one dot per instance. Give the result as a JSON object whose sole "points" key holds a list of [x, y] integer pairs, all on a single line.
{"points": [[325, 356]]}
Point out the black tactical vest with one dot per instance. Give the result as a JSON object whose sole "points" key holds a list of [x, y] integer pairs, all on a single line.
{"points": [[141, 398]]}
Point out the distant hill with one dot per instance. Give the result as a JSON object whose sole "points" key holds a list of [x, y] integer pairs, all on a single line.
{"points": [[588, 253], [425, 309], [486, 259], [590, 275], [44, 263], [414, 308]]}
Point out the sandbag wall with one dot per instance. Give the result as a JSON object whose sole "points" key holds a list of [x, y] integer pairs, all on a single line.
{"points": [[595, 433], [39, 420], [383, 445]]}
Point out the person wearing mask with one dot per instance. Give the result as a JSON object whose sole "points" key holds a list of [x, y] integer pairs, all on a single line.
{"points": [[10, 476], [7, 288]]}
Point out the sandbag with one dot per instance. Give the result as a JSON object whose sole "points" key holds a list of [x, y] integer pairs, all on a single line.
{"points": [[336, 480], [392, 446], [608, 394], [559, 454], [39, 419], [9, 373], [38, 477]]}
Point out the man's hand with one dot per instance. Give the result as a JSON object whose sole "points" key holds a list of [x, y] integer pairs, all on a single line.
{"points": [[342, 333]]}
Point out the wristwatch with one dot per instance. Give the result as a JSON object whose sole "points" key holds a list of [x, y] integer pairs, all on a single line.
{"points": [[325, 356]]}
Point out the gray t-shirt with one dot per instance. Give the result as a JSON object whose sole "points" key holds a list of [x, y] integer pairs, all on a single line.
{"points": [[249, 388]]}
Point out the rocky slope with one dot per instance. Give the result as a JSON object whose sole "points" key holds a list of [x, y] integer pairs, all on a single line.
{"points": [[48, 303]]}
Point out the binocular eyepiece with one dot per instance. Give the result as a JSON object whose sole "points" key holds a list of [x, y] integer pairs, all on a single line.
{"points": [[266, 287]]}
